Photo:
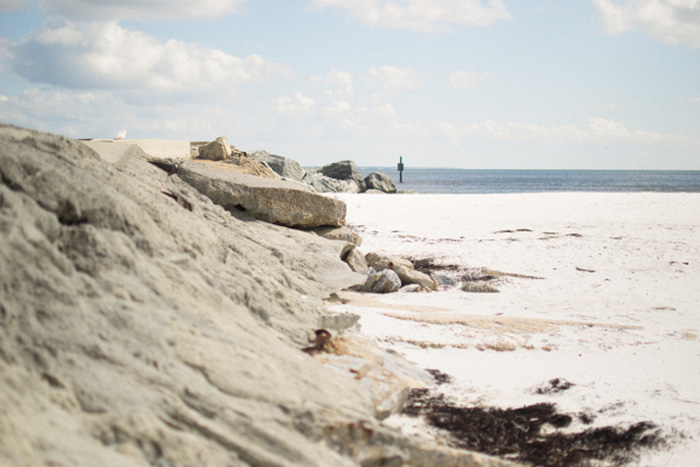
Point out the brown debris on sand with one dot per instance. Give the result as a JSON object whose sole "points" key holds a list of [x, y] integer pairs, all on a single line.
{"points": [[472, 279], [517, 434], [322, 337]]}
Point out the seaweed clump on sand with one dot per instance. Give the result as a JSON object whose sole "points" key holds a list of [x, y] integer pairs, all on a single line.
{"points": [[439, 376], [517, 434], [429, 266]]}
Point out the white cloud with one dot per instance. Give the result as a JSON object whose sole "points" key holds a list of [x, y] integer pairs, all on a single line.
{"points": [[297, 105], [59, 112], [107, 56], [420, 15], [326, 118], [596, 131], [9, 5], [100, 114], [387, 111], [100, 10], [672, 21], [392, 78], [605, 107], [695, 99], [465, 79], [340, 84], [5, 54]]}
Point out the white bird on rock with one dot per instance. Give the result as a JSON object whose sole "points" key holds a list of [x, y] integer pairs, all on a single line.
{"points": [[120, 135]]}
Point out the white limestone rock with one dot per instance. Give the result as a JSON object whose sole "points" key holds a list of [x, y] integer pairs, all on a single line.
{"points": [[217, 150]]}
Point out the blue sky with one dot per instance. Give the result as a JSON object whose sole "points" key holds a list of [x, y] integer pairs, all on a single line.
{"points": [[597, 84]]}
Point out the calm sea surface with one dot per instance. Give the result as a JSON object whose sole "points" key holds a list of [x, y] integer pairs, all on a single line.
{"points": [[534, 181]]}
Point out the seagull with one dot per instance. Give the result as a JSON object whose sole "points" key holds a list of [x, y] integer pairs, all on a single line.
{"points": [[120, 135]]}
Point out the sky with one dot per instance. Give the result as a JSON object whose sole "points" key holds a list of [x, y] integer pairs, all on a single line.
{"points": [[474, 84]]}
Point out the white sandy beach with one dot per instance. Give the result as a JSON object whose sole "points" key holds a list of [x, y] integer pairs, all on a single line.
{"points": [[616, 312]]}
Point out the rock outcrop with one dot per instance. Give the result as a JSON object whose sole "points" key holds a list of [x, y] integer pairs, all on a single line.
{"points": [[384, 281], [345, 171], [339, 233], [271, 200], [403, 268], [354, 259], [142, 324], [380, 181], [218, 150], [282, 166], [337, 177], [323, 184]]}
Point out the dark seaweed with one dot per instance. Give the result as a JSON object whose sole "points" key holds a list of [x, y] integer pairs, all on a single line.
{"points": [[517, 434], [429, 266], [554, 385], [440, 377]]}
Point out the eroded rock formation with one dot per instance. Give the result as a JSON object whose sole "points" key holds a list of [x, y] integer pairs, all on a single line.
{"points": [[142, 324]]}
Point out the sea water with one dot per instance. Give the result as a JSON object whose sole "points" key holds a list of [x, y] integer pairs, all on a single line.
{"points": [[431, 180]]}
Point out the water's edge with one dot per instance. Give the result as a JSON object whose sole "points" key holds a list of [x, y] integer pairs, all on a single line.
{"points": [[431, 180]]}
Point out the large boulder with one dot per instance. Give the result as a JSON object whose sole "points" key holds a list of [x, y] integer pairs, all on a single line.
{"points": [[284, 167], [323, 184], [346, 171], [380, 181], [271, 200], [141, 324], [218, 150]]}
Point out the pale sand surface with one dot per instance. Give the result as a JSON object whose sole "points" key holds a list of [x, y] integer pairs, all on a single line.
{"points": [[617, 312], [157, 148]]}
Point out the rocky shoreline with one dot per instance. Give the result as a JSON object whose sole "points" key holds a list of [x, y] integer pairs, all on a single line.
{"points": [[278, 190], [155, 310]]}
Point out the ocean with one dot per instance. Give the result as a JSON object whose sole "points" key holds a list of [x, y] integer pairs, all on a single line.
{"points": [[427, 180]]}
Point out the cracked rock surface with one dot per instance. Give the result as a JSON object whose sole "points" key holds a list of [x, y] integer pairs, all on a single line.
{"points": [[141, 324]]}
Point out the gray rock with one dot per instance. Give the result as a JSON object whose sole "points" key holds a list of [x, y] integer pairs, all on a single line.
{"points": [[339, 233], [445, 281], [411, 276], [338, 322], [141, 324], [403, 268], [380, 261], [218, 150], [385, 375], [479, 287], [284, 167], [135, 330], [355, 259], [271, 200], [344, 170], [323, 184], [385, 281], [380, 181]]}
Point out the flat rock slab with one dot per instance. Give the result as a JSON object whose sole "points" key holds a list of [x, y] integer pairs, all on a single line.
{"points": [[141, 324], [155, 148], [271, 200], [116, 152]]}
